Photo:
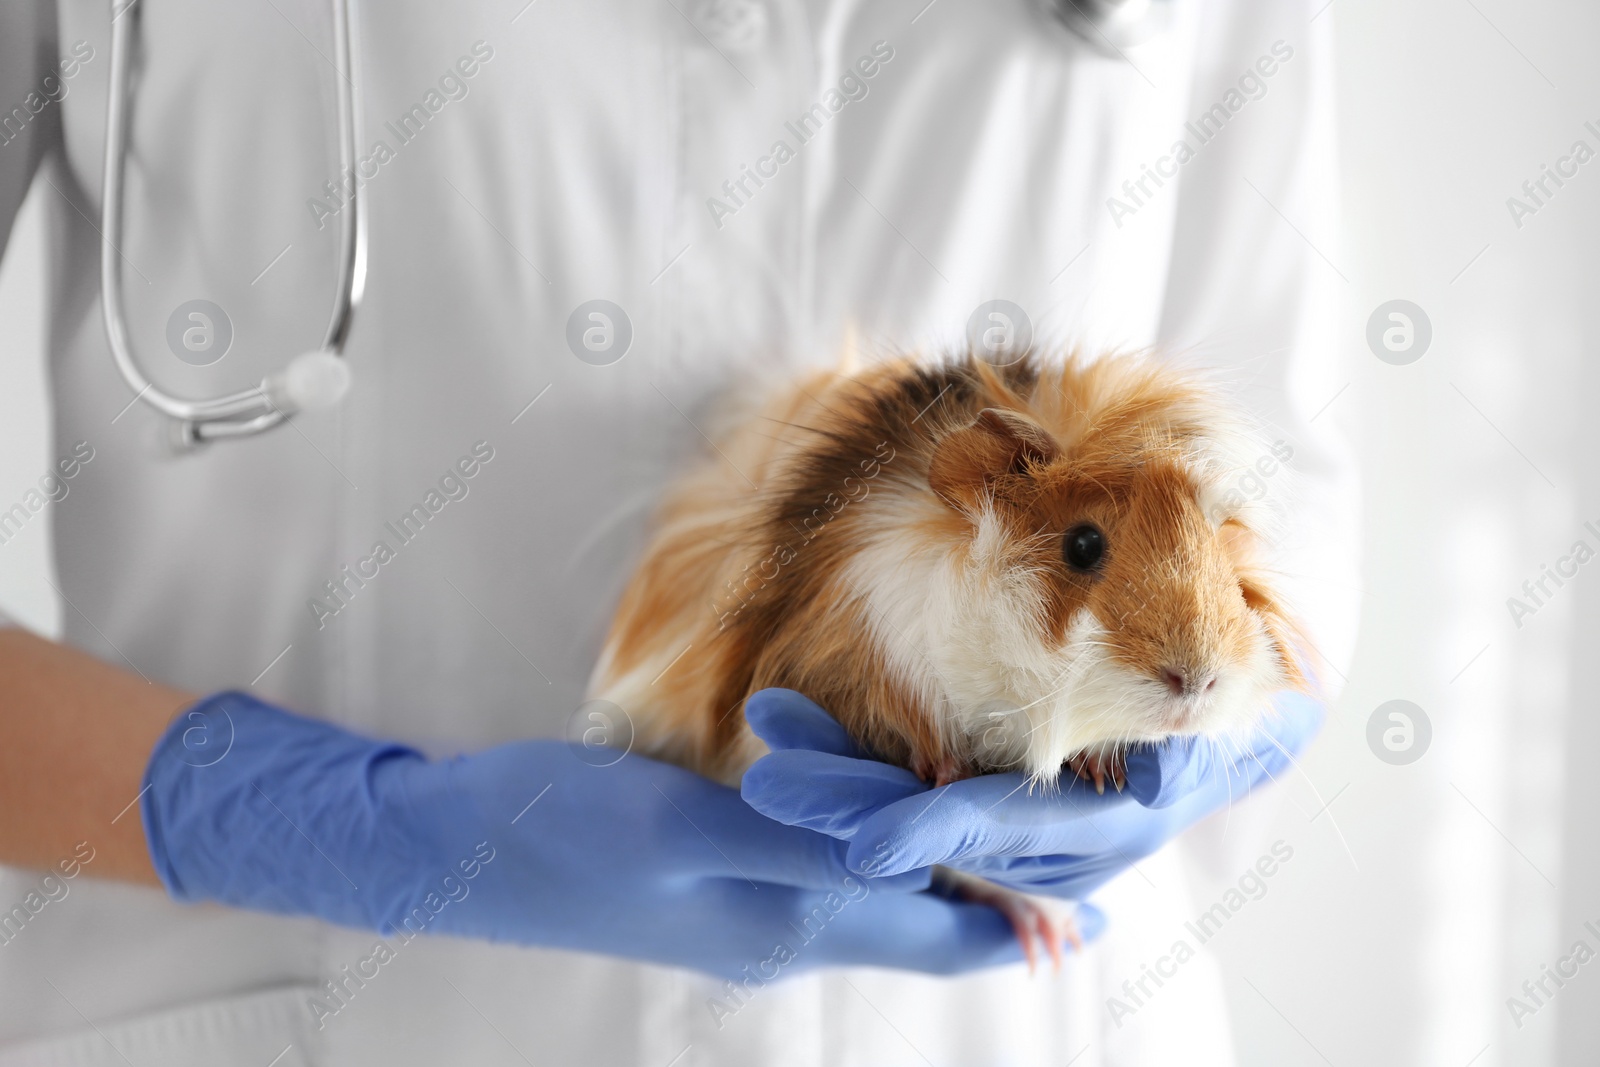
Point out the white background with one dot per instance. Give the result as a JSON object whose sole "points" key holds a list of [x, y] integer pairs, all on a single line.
{"points": [[1421, 899]]}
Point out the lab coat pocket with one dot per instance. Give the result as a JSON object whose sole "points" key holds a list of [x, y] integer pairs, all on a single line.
{"points": [[268, 1027]]}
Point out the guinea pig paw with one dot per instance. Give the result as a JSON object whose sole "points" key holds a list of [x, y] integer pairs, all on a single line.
{"points": [[1101, 766], [1035, 920], [941, 771]]}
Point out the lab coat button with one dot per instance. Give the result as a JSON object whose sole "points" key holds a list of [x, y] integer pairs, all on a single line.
{"points": [[733, 25]]}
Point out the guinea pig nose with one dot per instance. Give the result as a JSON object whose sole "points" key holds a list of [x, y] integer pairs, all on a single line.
{"points": [[1181, 681]]}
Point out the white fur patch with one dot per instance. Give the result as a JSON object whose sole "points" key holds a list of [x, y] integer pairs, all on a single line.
{"points": [[1234, 470]]}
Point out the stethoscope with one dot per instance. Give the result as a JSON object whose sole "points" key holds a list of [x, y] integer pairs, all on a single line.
{"points": [[315, 379], [320, 378]]}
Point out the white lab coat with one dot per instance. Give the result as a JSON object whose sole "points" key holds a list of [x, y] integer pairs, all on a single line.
{"points": [[579, 165]]}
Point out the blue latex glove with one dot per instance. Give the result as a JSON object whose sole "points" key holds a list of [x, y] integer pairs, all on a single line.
{"points": [[253, 806], [1065, 843]]}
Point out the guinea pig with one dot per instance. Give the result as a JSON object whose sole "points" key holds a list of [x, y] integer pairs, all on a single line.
{"points": [[973, 567]]}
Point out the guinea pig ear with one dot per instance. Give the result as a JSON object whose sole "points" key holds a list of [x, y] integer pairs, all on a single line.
{"points": [[999, 442]]}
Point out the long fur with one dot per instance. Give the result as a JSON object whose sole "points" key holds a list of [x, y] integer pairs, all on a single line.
{"points": [[900, 562]]}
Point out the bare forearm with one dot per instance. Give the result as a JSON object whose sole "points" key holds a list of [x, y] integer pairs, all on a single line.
{"points": [[76, 735]]}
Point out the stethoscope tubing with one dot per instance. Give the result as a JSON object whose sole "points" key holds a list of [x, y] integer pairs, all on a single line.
{"points": [[262, 407]]}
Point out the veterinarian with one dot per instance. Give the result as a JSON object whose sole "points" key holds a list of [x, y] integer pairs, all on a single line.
{"points": [[577, 224]]}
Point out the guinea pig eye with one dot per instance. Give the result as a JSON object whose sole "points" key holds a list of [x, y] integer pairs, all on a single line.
{"points": [[1084, 547]]}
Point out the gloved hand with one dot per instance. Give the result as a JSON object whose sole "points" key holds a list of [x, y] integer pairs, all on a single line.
{"points": [[1063, 843], [250, 805]]}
